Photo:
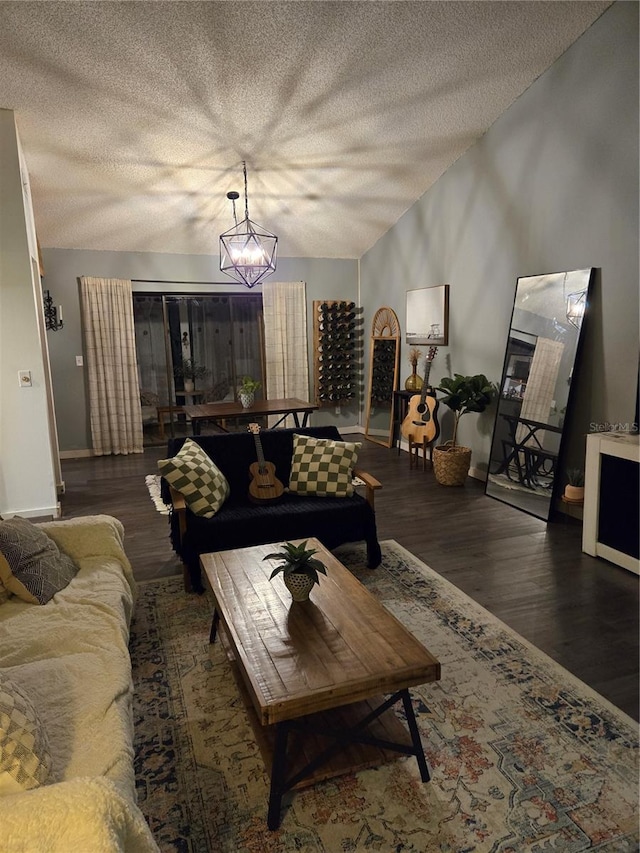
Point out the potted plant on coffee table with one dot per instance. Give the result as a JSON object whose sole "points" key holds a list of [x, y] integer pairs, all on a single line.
{"points": [[299, 568], [463, 395]]}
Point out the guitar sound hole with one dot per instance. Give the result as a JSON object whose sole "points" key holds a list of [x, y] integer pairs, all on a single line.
{"points": [[421, 408]]}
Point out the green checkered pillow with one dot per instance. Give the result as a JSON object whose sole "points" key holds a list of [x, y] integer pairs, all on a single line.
{"points": [[25, 759], [323, 467], [194, 475]]}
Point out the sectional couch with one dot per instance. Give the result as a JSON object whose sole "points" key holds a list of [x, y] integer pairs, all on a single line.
{"points": [[65, 699]]}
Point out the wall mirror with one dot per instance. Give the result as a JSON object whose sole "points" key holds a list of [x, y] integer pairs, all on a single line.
{"points": [[535, 389], [383, 376]]}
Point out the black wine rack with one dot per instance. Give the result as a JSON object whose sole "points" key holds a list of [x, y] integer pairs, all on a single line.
{"points": [[337, 345]]}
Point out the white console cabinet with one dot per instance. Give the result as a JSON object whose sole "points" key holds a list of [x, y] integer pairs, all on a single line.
{"points": [[611, 517]]}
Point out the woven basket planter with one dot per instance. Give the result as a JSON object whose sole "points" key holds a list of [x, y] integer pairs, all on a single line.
{"points": [[451, 464]]}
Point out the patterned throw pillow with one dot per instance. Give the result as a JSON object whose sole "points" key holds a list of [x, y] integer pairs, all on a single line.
{"points": [[31, 564], [323, 467], [4, 593], [25, 759], [194, 475]]}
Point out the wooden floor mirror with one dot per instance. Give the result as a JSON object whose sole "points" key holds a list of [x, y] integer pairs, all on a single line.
{"points": [[384, 361]]}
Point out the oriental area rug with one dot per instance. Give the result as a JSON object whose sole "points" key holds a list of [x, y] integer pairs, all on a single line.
{"points": [[523, 756]]}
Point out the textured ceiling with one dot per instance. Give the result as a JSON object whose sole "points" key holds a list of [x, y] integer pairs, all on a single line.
{"points": [[135, 116]]}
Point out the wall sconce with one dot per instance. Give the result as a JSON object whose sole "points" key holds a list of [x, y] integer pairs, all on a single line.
{"points": [[52, 315]]}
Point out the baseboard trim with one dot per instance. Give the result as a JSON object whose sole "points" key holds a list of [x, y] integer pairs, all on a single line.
{"points": [[44, 512], [76, 454], [478, 474]]}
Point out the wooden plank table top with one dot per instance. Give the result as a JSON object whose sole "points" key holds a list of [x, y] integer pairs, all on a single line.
{"points": [[341, 646], [230, 410], [314, 670]]}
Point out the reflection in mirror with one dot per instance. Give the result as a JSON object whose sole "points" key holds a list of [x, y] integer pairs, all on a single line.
{"points": [[535, 390], [383, 376]]}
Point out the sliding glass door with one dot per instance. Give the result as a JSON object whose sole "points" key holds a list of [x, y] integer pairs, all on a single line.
{"points": [[195, 349]]}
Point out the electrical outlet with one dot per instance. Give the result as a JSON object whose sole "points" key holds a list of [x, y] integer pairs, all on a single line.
{"points": [[79, 361], [24, 378]]}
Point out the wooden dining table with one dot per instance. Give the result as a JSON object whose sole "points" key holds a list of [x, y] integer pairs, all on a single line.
{"points": [[525, 452], [220, 413]]}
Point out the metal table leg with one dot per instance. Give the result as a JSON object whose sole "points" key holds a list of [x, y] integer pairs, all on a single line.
{"points": [[278, 775]]}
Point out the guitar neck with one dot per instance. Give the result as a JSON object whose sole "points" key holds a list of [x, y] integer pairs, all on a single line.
{"points": [[259, 451], [427, 371], [425, 381]]}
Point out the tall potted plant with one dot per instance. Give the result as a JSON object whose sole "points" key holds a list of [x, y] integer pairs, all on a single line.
{"points": [[189, 370], [463, 395]]}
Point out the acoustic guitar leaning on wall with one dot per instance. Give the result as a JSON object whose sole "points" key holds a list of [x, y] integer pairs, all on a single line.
{"points": [[421, 421]]}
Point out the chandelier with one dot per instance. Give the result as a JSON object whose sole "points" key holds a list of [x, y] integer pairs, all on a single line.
{"points": [[576, 305], [247, 251]]}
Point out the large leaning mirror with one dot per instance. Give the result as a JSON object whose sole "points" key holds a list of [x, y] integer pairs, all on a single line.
{"points": [[535, 389], [383, 376]]}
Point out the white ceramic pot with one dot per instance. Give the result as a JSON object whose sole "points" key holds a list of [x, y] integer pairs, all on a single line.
{"points": [[299, 585], [188, 385], [246, 399]]}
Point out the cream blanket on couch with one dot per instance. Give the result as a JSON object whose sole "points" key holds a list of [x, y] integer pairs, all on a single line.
{"points": [[71, 658]]}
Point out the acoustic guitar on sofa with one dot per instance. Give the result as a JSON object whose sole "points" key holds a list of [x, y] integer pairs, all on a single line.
{"points": [[421, 421], [264, 486]]}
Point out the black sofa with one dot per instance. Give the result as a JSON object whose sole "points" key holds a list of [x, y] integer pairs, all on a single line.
{"points": [[241, 523]]}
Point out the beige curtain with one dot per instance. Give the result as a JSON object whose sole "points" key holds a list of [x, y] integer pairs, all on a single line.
{"points": [[540, 390], [285, 341], [112, 368]]}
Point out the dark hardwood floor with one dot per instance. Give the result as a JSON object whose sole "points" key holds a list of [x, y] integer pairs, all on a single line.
{"points": [[581, 611]]}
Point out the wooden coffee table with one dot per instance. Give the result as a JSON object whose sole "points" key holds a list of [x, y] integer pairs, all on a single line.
{"points": [[313, 672]]}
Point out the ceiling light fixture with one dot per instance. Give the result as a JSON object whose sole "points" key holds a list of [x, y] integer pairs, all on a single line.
{"points": [[576, 305], [247, 251]]}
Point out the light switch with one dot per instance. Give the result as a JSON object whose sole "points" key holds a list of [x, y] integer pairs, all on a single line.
{"points": [[79, 361], [24, 378]]}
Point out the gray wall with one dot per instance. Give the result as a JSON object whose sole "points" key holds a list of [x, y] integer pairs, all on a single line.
{"points": [[325, 279], [27, 467], [552, 186]]}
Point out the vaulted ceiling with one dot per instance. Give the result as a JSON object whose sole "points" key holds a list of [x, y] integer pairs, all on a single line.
{"points": [[135, 116]]}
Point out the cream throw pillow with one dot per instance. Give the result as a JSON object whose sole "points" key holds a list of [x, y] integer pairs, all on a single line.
{"points": [[323, 467], [192, 473]]}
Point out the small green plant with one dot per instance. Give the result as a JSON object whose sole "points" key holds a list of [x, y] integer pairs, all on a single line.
{"points": [[248, 385], [297, 559], [465, 394], [190, 369], [575, 477]]}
